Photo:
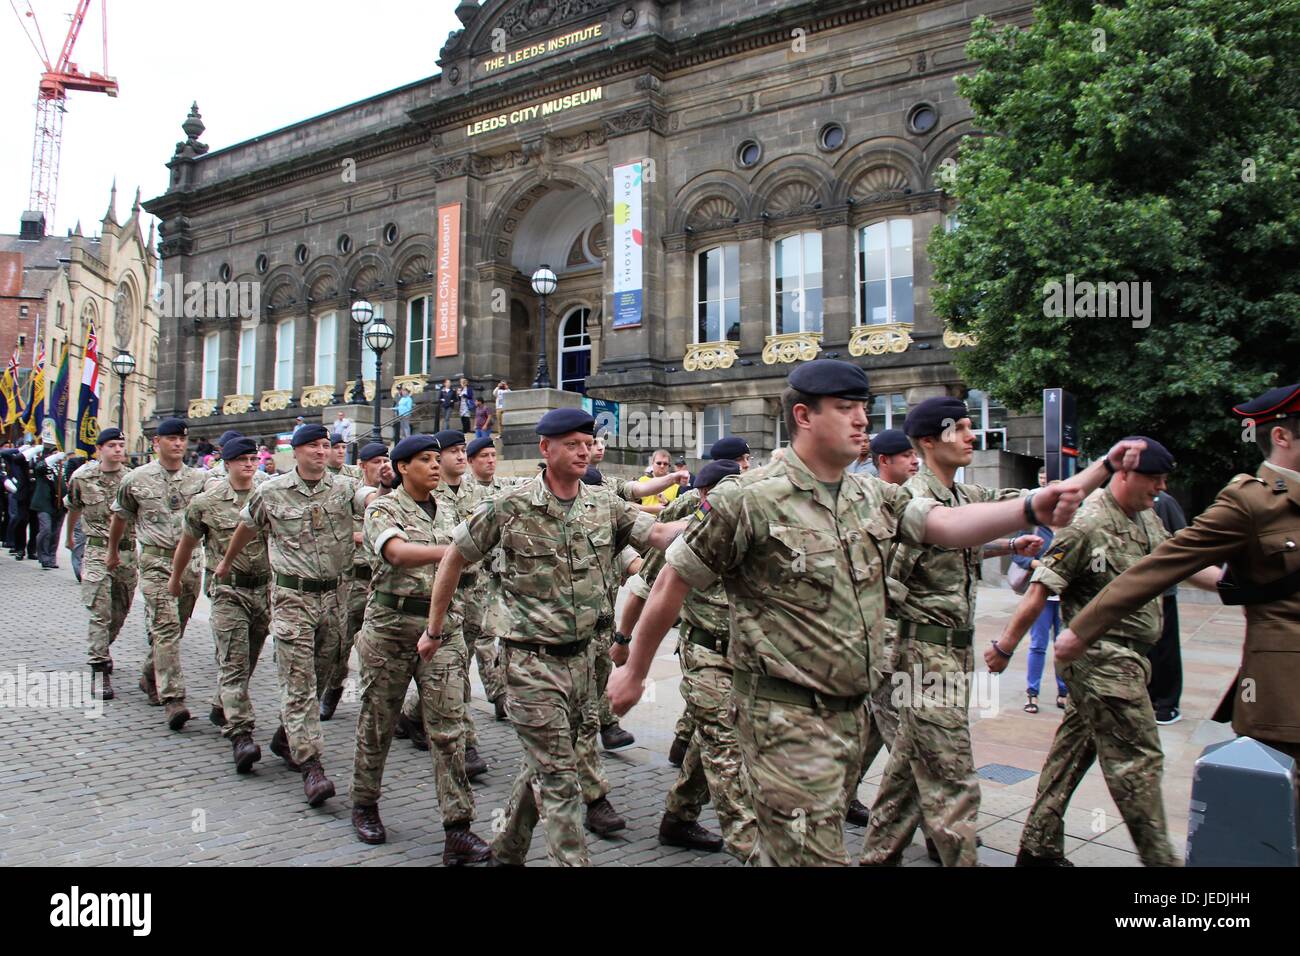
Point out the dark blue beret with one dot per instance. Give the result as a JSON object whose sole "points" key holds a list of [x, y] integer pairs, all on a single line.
{"points": [[593, 477], [831, 377], [234, 447], [450, 438], [308, 433], [1155, 460], [733, 447], [336, 438], [107, 435], [227, 435], [933, 416], [714, 472], [1274, 404], [890, 442], [412, 445], [562, 421], [374, 449], [171, 426], [476, 446]]}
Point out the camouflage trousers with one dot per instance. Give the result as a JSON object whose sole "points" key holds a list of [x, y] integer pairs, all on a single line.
{"points": [[308, 631], [358, 594], [685, 726], [546, 697], [591, 775], [798, 758], [411, 709], [482, 639], [1108, 717], [930, 776], [240, 620], [713, 766], [882, 713], [165, 618], [107, 596], [388, 665]]}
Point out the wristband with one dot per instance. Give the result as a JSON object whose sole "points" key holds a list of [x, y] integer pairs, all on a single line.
{"points": [[1110, 469], [621, 638], [1011, 543], [1029, 508], [1000, 652]]}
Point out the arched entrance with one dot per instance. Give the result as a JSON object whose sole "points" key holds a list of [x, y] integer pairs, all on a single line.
{"points": [[574, 351]]}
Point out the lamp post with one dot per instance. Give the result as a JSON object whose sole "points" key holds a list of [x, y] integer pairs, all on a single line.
{"points": [[544, 283], [123, 365], [379, 337], [362, 313]]}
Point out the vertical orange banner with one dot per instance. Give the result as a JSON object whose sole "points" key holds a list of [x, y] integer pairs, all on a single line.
{"points": [[447, 311]]}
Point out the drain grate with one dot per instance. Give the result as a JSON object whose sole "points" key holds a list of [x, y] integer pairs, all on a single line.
{"points": [[1004, 773]]}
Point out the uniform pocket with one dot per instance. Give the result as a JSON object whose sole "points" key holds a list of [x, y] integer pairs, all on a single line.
{"points": [[802, 569], [530, 562], [1120, 675]]}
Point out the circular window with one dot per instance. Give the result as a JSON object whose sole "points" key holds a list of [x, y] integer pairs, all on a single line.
{"points": [[224, 272], [390, 233], [831, 137], [345, 243], [922, 118], [300, 255], [749, 153], [263, 263]]}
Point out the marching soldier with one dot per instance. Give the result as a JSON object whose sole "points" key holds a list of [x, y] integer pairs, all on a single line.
{"points": [[306, 515], [409, 533], [338, 460], [106, 594], [561, 542], [241, 610], [155, 496], [217, 473]]}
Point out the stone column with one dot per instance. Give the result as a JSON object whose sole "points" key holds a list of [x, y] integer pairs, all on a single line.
{"points": [[755, 289], [837, 280]]}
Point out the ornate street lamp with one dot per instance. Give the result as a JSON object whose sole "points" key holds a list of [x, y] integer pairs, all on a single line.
{"points": [[544, 283], [362, 313], [379, 337], [123, 365]]}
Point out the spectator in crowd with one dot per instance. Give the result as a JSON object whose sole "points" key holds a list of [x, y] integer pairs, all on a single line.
{"points": [[1166, 656], [465, 395], [499, 395], [405, 404], [660, 462], [78, 534], [298, 423], [345, 427], [1048, 624], [47, 504], [483, 421], [203, 448], [442, 402], [863, 465], [263, 456]]}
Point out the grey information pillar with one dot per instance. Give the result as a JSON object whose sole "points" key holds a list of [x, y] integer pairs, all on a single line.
{"points": [[1243, 807]]}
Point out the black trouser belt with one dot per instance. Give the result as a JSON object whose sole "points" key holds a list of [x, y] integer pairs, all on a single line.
{"points": [[360, 572], [572, 649], [248, 581], [714, 642], [156, 551], [310, 585], [126, 544], [406, 605], [934, 634], [1142, 647], [774, 688]]}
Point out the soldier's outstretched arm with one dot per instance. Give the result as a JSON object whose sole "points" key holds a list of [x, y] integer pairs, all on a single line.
{"points": [[401, 553], [1027, 611], [180, 559], [444, 586], [660, 613], [243, 534], [663, 533]]}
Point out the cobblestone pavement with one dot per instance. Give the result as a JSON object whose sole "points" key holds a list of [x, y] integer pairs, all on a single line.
{"points": [[119, 788]]}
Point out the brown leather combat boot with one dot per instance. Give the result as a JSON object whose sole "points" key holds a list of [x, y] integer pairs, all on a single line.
{"points": [[463, 846], [280, 747], [365, 820], [329, 702], [99, 676], [315, 784], [475, 765], [246, 752], [601, 818], [674, 831], [177, 713]]}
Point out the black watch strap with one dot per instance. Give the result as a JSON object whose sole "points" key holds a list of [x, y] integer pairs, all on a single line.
{"points": [[621, 638]]}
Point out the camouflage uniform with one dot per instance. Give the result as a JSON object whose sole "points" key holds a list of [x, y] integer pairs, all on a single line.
{"points": [[1108, 714], [803, 568], [215, 475], [358, 591], [558, 562], [713, 765], [347, 471], [309, 531], [485, 645], [241, 610], [931, 771], [386, 649], [106, 594], [157, 500]]}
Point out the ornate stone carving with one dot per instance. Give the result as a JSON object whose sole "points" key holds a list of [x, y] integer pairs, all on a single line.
{"points": [[879, 183], [483, 165], [369, 388], [752, 230], [880, 339], [201, 408], [450, 167], [275, 400], [648, 81], [706, 356], [317, 396], [634, 120], [831, 83], [675, 243], [629, 18], [527, 16], [838, 217], [791, 347], [415, 383], [956, 340], [237, 404], [716, 212], [791, 199], [920, 62], [587, 139]]}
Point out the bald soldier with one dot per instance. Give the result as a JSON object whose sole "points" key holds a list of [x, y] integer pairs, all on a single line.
{"points": [[800, 549]]}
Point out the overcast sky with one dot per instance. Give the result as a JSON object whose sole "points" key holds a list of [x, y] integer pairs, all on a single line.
{"points": [[252, 65]]}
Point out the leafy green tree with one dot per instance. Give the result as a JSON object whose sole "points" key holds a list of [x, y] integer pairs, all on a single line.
{"points": [[1149, 141]]}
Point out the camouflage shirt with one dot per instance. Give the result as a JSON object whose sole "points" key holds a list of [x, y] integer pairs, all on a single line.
{"points": [[157, 499], [398, 515], [91, 492], [212, 518], [706, 609], [309, 530], [347, 471], [941, 583], [217, 474], [559, 561], [803, 569], [1100, 544]]}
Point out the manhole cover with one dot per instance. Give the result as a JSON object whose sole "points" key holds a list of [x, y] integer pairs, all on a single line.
{"points": [[1004, 773]]}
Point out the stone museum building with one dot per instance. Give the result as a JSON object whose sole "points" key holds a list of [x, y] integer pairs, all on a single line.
{"points": [[722, 189]]}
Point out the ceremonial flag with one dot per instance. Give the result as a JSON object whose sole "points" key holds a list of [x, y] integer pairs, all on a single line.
{"points": [[34, 414], [88, 404], [59, 400], [9, 393]]}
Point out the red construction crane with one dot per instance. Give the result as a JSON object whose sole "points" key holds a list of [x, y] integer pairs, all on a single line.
{"points": [[59, 77]]}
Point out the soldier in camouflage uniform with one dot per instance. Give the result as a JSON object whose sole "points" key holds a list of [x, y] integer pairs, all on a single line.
{"points": [[1108, 713], [307, 517], [800, 548], [409, 531], [241, 609], [561, 541], [155, 496], [338, 459], [106, 594], [217, 473]]}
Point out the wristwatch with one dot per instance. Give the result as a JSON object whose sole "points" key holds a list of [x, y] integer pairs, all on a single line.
{"points": [[433, 637], [621, 638]]}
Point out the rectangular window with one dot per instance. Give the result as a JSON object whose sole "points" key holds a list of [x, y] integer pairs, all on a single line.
{"points": [[717, 297], [797, 284], [888, 411], [247, 361], [211, 363], [417, 336], [988, 420], [885, 272], [714, 423], [284, 355], [326, 345]]}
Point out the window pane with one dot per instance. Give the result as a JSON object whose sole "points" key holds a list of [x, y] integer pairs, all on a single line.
{"points": [[902, 291], [898, 410], [873, 245], [877, 311], [325, 350], [812, 319], [731, 271], [731, 319], [712, 322], [975, 404], [713, 275], [900, 235], [812, 259]]}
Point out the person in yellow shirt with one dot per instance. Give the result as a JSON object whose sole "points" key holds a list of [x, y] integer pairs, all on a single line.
{"points": [[660, 462]]}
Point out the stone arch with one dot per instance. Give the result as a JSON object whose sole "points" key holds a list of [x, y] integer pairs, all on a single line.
{"points": [[323, 279], [945, 146], [510, 209], [370, 269], [413, 260], [792, 185], [282, 288], [880, 167], [710, 201]]}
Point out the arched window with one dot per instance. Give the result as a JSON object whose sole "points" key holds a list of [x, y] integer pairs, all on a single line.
{"points": [[575, 351], [123, 316]]}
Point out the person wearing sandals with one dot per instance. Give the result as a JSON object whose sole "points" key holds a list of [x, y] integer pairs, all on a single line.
{"points": [[1045, 627]]}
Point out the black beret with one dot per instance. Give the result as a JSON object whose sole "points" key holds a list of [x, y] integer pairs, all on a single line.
{"points": [[477, 445], [593, 476], [336, 438], [108, 435], [890, 442], [1155, 459], [831, 377], [171, 426], [933, 416], [308, 433], [714, 472], [374, 449], [733, 447], [412, 445], [1274, 404], [448, 438], [235, 447], [227, 435], [561, 421]]}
